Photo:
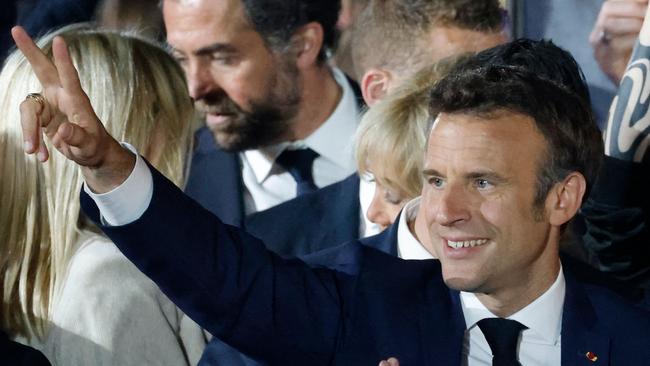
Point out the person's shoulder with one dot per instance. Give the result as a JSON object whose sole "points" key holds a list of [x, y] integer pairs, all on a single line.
{"points": [[355, 258], [620, 317], [328, 197], [98, 271]]}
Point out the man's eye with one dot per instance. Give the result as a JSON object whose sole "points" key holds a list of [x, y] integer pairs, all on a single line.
{"points": [[436, 182], [181, 60], [483, 184], [223, 60]]}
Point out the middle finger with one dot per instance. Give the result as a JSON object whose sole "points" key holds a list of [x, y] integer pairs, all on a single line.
{"points": [[43, 68]]}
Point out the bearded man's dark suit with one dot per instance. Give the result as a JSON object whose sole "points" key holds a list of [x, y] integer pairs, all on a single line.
{"points": [[215, 178], [371, 306]]}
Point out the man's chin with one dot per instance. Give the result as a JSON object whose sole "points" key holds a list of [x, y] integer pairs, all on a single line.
{"points": [[217, 122], [229, 141], [460, 281]]}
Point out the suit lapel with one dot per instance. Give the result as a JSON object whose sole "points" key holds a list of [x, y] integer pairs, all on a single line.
{"points": [[340, 213], [386, 241], [583, 341], [389, 244], [215, 179], [442, 324], [312, 222]]}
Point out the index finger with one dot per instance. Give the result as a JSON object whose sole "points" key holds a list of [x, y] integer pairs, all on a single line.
{"points": [[43, 68]]}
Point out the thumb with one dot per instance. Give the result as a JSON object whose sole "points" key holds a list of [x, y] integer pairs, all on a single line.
{"points": [[73, 135]]}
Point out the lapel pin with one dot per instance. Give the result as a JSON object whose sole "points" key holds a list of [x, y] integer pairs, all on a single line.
{"points": [[591, 356]]}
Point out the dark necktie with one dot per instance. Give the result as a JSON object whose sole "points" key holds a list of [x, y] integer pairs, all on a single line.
{"points": [[299, 164], [502, 335]]}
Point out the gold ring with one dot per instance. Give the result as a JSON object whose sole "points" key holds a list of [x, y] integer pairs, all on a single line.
{"points": [[38, 98]]}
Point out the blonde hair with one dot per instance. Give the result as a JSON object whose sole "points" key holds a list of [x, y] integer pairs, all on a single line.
{"points": [[391, 138], [140, 94]]}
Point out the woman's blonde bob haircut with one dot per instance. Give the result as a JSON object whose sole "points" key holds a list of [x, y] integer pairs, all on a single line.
{"points": [[392, 136], [140, 94]]}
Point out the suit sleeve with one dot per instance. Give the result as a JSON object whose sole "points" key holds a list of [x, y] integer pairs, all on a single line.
{"points": [[276, 310]]}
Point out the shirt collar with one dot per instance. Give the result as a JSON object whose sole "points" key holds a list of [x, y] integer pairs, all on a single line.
{"points": [[333, 140], [543, 317], [408, 246]]}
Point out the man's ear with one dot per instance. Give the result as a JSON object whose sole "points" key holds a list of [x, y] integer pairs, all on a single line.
{"points": [[565, 199], [307, 43], [374, 85]]}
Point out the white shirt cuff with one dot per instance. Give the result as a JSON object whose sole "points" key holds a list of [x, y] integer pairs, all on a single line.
{"points": [[127, 202]]}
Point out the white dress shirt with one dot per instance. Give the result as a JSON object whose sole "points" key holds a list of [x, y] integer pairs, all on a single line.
{"points": [[128, 201], [267, 184], [539, 344], [408, 246]]}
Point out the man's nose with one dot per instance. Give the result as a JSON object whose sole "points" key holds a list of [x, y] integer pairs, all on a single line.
{"points": [[451, 206], [200, 80]]}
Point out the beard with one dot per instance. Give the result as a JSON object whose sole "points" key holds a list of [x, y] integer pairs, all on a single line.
{"points": [[269, 120]]}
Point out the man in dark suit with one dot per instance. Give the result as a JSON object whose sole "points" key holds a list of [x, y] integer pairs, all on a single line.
{"points": [[259, 71], [278, 117], [597, 218], [509, 160], [391, 41]]}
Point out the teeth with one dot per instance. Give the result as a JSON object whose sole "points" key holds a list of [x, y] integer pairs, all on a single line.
{"points": [[466, 243]]}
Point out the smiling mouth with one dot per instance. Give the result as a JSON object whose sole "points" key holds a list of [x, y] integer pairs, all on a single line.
{"points": [[466, 243]]}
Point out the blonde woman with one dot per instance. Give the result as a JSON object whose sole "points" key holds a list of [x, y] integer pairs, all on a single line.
{"points": [[390, 145], [66, 288]]}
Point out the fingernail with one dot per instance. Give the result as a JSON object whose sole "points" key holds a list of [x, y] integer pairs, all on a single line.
{"points": [[41, 156], [29, 146]]}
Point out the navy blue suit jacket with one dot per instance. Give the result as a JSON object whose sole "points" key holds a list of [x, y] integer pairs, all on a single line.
{"points": [[215, 179], [312, 222], [370, 307]]}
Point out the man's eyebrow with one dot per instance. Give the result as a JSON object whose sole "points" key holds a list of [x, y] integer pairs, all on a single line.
{"points": [[431, 173], [486, 174], [210, 49]]}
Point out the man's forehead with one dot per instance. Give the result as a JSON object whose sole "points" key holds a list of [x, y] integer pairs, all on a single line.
{"points": [[501, 134], [194, 24], [218, 11], [183, 2], [197, 3]]}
